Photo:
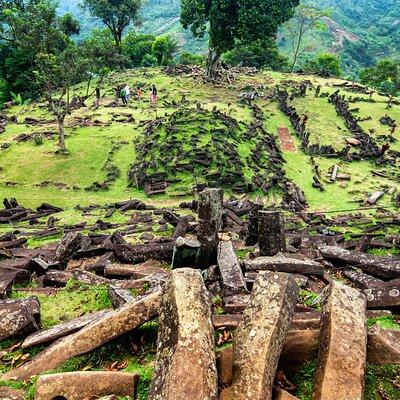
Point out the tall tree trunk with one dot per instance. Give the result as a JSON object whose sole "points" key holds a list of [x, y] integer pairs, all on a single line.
{"points": [[212, 63], [61, 135]]}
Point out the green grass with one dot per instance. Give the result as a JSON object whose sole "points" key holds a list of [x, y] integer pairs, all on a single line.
{"points": [[385, 322], [74, 300], [384, 378], [27, 165]]}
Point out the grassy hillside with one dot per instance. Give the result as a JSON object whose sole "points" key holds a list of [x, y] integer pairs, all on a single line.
{"points": [[103, 146]]}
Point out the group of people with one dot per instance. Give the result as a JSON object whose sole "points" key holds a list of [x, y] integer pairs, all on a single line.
{"points": [[126, 93]]}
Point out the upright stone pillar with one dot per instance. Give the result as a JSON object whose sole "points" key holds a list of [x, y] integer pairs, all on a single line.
{"points": [[210, 220], [185, 362], [252, 228], [259, 337], [271, 229], [343, 346]]}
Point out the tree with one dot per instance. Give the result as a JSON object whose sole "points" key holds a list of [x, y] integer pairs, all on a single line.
{"points": [[58, 73], [117, 15], [28, 28], [305, 19], [164, 48], [231, 21], [385, 76], [259, 54], [186, 58], [326, 64], [136, 46]]}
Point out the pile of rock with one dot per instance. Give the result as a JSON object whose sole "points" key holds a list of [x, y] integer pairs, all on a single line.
{"points": [[259, 299]]}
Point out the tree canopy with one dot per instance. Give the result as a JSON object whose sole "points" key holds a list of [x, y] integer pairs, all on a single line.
{"points": [[231, 21], [117, 15]]}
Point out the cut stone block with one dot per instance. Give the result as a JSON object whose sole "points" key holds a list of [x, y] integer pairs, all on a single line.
{"points": [[185, 364], [84, 385], [210, 221], [231, 273], [282, 263], [92, 336], [383, 345], [63, 329], [383, 297], [385, 267], [259, 338], [271, 233], [18, 317], [343, 346]]}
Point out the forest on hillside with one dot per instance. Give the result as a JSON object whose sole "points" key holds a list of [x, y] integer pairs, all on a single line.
{"points": [[362, 31]]}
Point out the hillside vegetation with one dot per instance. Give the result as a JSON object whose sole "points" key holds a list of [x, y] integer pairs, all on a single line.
{"points": [[201, 134]]}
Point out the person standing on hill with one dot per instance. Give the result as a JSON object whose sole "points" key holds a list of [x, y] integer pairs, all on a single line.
{"points": [[139, 94], [154, 94], [127, 93], [123, 95]]}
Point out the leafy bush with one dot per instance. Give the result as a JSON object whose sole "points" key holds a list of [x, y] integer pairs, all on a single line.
{"points": [[187, 58], [325, 64]]}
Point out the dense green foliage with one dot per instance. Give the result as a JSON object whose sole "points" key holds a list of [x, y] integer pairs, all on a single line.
{"points": [[326, 64], [116, 15], [384, 76], [230, 22]]}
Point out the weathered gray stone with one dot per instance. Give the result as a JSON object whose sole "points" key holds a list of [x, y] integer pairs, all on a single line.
{"points": [[383, 297], [231, 273], [210, 220], [19, 317], [385, 267], [383, 345], [92, 336], [259, 338], [252, 228], [119, 297], [363, 281], [85, 385], [136, 271], [283, 263], [67, 246], [61, 330], [271, 233], [343, 344], [185, 364]]}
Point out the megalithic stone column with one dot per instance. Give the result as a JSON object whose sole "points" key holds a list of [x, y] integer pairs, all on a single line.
{"points": [[210, 216], [271, 232], [259, 337], [343, 345], [185, 363], [252, 228]]}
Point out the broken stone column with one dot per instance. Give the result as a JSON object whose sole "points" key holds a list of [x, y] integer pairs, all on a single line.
{"points": [[231, 273], [271, 232], [18, 317], [108, 327], [85, 385], [252, 228], [210, 220], [185, 364], [343, 344], [383, 346], [259, 337]]}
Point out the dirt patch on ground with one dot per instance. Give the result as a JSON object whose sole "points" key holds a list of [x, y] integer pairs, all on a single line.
{"points": [[286, 139]]}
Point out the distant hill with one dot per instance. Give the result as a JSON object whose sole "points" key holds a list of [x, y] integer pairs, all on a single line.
{"points": [[361, 31]]}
